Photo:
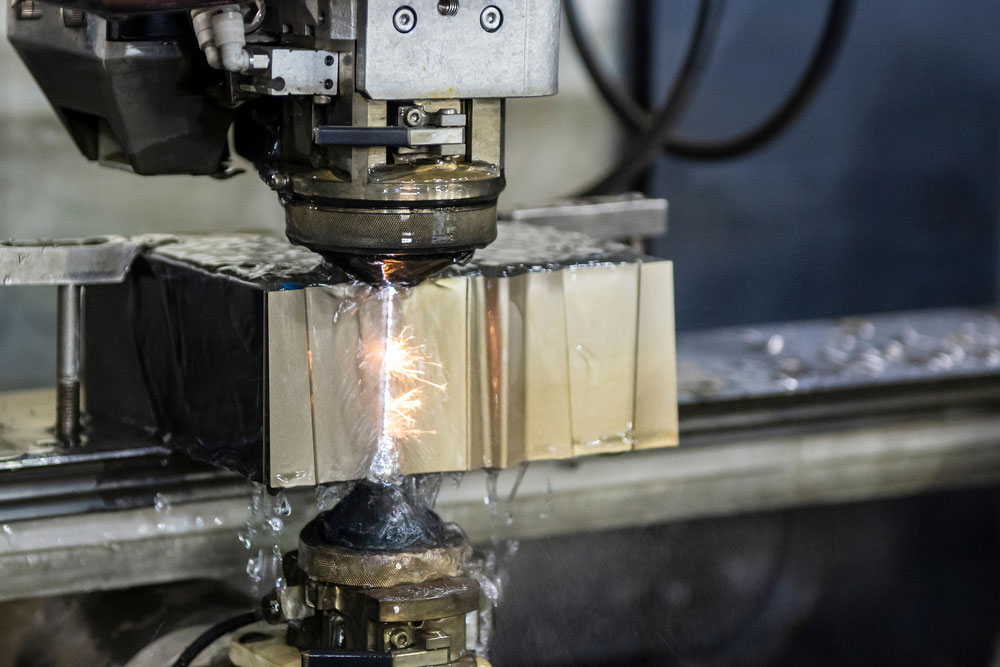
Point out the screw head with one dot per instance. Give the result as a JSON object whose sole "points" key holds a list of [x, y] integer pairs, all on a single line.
{"points": [[405, 19], [328, 61], [278, 181], [491, 19], [415, 117]]}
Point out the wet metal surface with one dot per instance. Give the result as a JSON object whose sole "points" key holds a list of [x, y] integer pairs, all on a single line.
{"points": [[802, 357], [881, 407]]}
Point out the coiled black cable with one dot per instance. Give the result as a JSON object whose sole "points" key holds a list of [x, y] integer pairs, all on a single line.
{"points": [[205, 639], [634, 115], [646, 146]]}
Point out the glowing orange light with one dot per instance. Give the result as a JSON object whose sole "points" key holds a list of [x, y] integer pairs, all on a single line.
{"points": [[405, 363]]}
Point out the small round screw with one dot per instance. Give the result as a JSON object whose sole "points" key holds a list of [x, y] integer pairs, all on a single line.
{"points": [[278, 181], [447, 7], [329, 61], [328, 84], [491, 19], [405, 19], [415, 117]]}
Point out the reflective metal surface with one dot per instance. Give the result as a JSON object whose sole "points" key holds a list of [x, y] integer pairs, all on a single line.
{"points": [[97, 260], [607, 217], [746, 444]]}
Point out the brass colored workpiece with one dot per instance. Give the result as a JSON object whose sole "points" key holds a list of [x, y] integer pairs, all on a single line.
{"points": [[380, 569], [541, 365]]}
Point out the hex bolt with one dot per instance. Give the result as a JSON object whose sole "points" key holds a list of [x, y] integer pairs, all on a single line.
{"points": [[491, 19], [68, 323], [405, 19]]}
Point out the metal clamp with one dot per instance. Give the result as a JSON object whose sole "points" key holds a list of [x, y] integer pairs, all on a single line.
{"points": [[292, 72]]}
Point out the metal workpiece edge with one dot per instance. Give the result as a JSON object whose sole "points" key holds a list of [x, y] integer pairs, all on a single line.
{"points": [[87, 261]]}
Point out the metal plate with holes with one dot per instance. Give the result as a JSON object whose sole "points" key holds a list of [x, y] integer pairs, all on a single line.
{"points": [[103, 259], [444, 55], [299, 72]]}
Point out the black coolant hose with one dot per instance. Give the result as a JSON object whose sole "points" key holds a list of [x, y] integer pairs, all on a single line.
{"points": [[205, 639], [643, 148], [640, 120]]}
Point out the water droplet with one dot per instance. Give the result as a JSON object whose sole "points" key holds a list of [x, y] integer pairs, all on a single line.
{"points": [[245, 538], [775, 344], [788, 383], [161, 503], [290, 478]]}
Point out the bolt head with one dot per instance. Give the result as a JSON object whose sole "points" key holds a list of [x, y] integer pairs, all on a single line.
{"points": [[491, 19], [405, 19], [414, 117]]}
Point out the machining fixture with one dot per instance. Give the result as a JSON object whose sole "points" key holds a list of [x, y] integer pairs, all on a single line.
{"points": [[377, 580], [379, 124], [69, 264]]}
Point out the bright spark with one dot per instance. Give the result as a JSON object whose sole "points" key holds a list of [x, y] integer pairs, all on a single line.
{"points": [[406, 378], [405, 365]]}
